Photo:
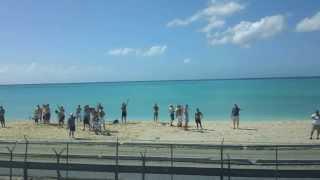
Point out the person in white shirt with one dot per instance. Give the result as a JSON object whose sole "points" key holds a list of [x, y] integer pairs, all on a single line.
{"points": [[315, 124]]}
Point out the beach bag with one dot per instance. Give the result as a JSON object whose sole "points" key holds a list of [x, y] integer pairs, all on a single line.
{"points": [[115, 121]]}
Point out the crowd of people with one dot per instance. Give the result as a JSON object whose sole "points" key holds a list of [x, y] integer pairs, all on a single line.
{"points": [[93, 118], [181, 114]]}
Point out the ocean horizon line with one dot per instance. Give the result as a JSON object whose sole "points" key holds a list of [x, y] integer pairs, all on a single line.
{"points": [[163, 80]]}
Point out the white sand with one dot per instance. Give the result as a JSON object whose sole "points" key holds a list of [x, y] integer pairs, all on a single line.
{"points": [[288, 132]]}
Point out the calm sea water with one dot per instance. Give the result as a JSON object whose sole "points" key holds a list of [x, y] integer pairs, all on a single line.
{"points": [[260, 99]]}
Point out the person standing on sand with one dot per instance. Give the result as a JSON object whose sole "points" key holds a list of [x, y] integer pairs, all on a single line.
{"points": [[198, 116], [124, 112], [86, 117], [72, 125], [78, 113], [2, 119], [40, 113], [171, 112], [155, 112], [235, 116], [96, 125], [315, 124], [186, 116], [43, 113], [179, 114], [47, 114], [37, 114], [61, 115], [102, 115]]}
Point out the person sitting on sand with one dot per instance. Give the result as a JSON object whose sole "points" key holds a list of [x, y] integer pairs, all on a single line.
{"points": [[2, 118], [198, 116], [86, 117], [61, 115], [315, 124], [186, 116], [235, 116], [155, 112], [72, 125], [171, 112], [124, 112], [78, 113]]}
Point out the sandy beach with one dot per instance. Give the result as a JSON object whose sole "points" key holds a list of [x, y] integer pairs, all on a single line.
{"points": [[288, 132]]}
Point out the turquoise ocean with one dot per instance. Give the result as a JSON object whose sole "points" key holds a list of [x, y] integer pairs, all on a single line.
{"points": [[260, 99]]}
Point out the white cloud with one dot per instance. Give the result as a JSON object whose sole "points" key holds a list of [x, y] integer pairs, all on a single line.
{"points": [[152, 51], [245, 32], [212, 24], [44, 73], [309, 24], [155, 51], [187, 60], [121, 51], [215, 9]]}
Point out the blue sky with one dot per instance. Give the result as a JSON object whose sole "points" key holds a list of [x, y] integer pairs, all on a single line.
{"points": [[81, 41]]}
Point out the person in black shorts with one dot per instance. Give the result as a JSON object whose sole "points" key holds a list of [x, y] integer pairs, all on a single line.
{"points": [[155, 112], [72, 125], [198, 116], [86, 117], [61, 115], [124, 112]]}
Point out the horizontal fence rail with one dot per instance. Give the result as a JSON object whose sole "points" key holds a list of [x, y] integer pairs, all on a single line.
{"points": [[167, 170], [243, 160]]}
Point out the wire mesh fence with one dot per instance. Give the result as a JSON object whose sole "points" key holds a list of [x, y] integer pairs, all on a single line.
{"points": [[114, 160]]}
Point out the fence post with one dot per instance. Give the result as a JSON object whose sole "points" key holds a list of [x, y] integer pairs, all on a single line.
{"points": [[67, 174], [171, 158], [25, 169], [11, 158], [221, 159], [277, 168], [117, 160], [143, 157], [229, 167], [58, 155]]}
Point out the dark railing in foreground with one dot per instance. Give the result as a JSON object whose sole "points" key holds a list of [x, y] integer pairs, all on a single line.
{"points": [[165, 170], [225, 161]]}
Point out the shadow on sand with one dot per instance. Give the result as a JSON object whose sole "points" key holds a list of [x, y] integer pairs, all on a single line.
{"points": [[248, 129]]}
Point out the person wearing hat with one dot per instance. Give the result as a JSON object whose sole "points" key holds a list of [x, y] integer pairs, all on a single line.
{"points": [[72, 125], [315, 124]]}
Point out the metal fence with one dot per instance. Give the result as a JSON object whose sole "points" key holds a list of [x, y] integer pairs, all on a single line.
{"points": [[115, 160]]}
